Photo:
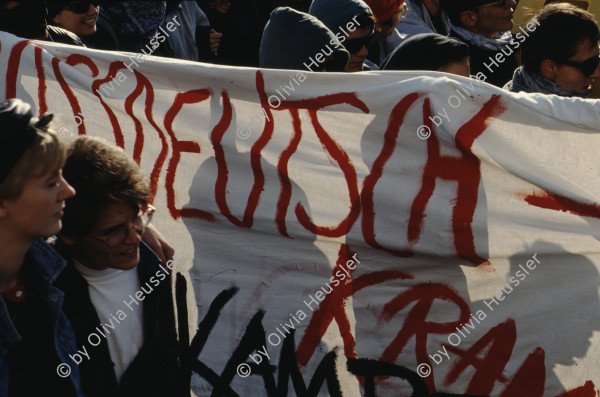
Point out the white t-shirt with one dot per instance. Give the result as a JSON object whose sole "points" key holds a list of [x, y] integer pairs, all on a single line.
{"points": [[108, 289]]}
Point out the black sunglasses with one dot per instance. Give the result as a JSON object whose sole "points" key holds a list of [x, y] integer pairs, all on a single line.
{"points": [[81, 7], [587, 67], [355, 45]]}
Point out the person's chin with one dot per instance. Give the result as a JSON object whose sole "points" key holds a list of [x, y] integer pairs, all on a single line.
{"points": [[53, 228], [129, 259]]}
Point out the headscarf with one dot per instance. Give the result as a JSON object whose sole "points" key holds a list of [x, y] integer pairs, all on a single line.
{"points": [[384, 9]]}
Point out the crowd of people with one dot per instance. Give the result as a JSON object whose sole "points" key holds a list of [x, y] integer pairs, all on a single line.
{"points": [[94, 198], [556, 52]]}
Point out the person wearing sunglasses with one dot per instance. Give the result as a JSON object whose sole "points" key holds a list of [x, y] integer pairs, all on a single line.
{"points": [[78, 17], [561, 56], [353, 24], [118, 295], [27, 19], [484, 25]]}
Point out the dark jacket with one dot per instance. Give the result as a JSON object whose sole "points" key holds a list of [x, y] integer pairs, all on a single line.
{"points": [[35, 336], [497, 71], [60, 35], [155, 371]]}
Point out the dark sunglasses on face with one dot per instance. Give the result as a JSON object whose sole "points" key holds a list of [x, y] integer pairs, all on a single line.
{"points": [[81, 7], [355, 45], [587, 67]]}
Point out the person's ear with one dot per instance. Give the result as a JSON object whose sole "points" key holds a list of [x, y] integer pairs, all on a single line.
{"points": [[548, 69], [68, 240], [468, 19]]}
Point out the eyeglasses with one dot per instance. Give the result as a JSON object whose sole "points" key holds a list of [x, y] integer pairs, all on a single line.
{"points": [[587, 67], [80, 7], [500, 3], [139, 224], [355, 45]]}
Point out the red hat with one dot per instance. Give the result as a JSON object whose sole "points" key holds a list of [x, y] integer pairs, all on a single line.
{"points": [[384, 9]]}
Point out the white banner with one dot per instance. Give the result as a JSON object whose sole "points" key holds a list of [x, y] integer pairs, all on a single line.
{"points": [[377, 234]]}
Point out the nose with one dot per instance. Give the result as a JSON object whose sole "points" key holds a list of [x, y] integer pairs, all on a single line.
{"points": [[66, 191], [133, 237], [93, 10], [511, 3], [596, 73]]}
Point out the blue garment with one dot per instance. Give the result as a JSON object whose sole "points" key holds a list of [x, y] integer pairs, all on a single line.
{"points": [[416, 21], [42, 265]]}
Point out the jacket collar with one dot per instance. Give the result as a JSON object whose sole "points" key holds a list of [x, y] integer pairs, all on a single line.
{"points": [[46, 262]]}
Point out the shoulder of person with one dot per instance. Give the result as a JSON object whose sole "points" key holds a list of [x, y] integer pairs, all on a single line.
{"points": [[60, 35]]}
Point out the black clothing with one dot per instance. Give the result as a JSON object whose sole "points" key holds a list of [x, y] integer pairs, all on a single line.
{"points": [[498, 71], [60, 35], [155, 371], [426, 51]]}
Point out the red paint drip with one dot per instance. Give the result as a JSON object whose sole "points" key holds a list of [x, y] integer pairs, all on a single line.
{"points": [[114, 121], [416, 323], [78, 59], [464, 170], [194, 96], [557, 202], [68, 92], [530, 378], [12, 71], [587, 390], [389, 144], [144, 83], [498, 344], [39, 67], [283, 202], [333, 308]]}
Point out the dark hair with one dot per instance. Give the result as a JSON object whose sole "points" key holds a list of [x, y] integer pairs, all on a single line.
{"points": [[426, 51], [455, 7], [562, 27], [102, 174], [366, 21]]}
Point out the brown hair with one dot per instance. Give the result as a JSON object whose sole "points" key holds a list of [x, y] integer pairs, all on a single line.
{"points": [[46, 153], [102, 174]]}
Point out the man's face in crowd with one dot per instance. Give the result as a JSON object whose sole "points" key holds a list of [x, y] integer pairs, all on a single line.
{"points": [[121, 252], [355, 62], [492, 19], [571, 77]]}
